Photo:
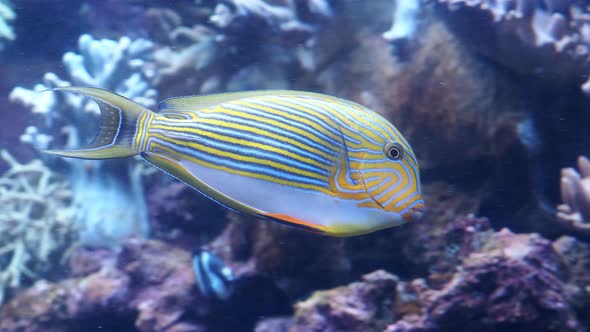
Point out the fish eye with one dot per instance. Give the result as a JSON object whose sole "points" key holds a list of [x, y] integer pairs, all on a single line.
{"points": [[394, 151]]}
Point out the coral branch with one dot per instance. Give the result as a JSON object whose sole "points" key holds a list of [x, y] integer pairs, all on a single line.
{"points": [[6, 15], [575, 194], [108, 194], [36, 221], [546, 38]]}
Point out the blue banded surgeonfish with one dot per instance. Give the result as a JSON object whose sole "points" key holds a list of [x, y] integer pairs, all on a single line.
{"points": [[312, 161], [213, 277]]}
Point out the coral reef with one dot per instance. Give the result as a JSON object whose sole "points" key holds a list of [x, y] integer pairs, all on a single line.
{"points": [[149, 278], [275, 324], [147, 286], [403, 29], [575, 257], [180, 215], [108, 195], [194, 55], [440, 86], [36, 223], [575, 195], [360, 306], [282, 18], [548, 39], [262, 248], [514, 282], [440, 248], [7, 14]]}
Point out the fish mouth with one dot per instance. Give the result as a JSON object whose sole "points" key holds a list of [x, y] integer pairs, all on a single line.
{"points": [[416, 212]]}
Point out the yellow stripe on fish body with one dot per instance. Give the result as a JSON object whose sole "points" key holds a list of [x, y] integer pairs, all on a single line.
{"points": [[316, 162]]}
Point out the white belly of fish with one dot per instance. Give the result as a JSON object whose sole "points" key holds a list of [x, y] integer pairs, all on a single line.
{"points": [[306, 205]]}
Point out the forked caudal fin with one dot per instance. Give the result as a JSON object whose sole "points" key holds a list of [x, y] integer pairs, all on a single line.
{"points": [[117, 130]]}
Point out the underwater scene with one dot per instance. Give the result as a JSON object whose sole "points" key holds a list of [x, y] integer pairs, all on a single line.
{"points": [[294, 165]]}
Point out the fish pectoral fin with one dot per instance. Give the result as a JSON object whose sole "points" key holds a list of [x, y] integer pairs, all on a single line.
{"points": [[294, 222]]}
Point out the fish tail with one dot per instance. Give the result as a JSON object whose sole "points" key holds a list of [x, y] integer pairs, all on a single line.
{"points": [[120, 125]]}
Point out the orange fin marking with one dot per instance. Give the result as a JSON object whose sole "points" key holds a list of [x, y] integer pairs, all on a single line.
{"points": [[295, 222]]}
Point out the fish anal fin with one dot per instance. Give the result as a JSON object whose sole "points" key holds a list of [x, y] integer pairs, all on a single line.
{"points": [[292, 221], [175, 169]]}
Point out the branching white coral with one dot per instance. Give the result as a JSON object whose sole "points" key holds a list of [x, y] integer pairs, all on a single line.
{"points": [[200, 53], [121, 66], [108, 195], [283, 17], [36, 221], [6, 15], [404, 20], [575, 194], [402, 34]]}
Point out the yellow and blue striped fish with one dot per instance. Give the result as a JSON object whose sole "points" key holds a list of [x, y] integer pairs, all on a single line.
{"points": [[309, 160]]}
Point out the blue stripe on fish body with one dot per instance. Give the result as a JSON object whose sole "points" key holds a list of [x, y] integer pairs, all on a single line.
{"points": [[232, 164], [208, 133]]}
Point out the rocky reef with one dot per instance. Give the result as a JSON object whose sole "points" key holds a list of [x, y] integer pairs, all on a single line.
{"points": [[499, 281], [147, 286]]}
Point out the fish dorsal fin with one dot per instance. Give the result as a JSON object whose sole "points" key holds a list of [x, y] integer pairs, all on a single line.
{"points": [[178, 115], [196, 103]]}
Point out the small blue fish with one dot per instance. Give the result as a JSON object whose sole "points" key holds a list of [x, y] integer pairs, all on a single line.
{"points": [[316, 162], [214, 278]]}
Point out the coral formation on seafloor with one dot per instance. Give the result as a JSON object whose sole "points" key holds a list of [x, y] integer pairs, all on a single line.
{"points": [[404, 26], [151, 279], [36, 222], [6, 15], [507, 281], [360, 306], [549, 39], [108, 195], [514, 282], [178, 214], [574, 212], [575, 257], [195, 55], [147, 286]]}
